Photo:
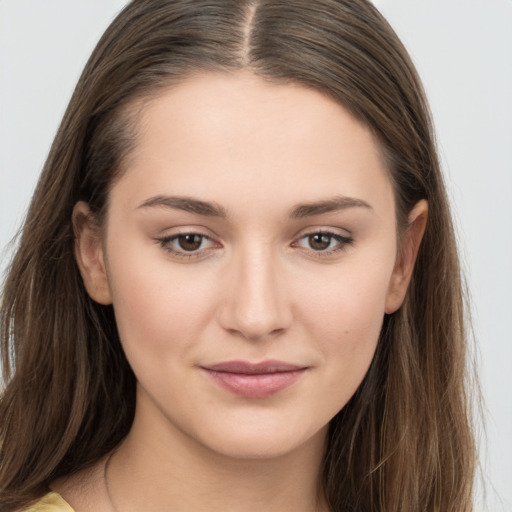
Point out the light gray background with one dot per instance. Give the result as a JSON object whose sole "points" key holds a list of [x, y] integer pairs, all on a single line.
{"points": [[463, 50]]}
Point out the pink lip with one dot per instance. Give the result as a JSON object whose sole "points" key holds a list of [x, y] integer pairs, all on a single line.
{"points": [[254, 380]]}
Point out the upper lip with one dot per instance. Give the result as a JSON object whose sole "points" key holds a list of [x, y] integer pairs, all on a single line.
{"points": [[248, 368]]}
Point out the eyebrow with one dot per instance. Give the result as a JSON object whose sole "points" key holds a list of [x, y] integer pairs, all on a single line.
{"points": [[327, 206], [187, 204], [212, 209]]}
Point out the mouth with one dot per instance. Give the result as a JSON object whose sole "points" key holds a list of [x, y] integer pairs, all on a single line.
{"points": [[254, 380]]}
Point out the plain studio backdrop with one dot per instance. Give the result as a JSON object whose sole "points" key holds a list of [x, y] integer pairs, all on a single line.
{"points": [[463, 51]]}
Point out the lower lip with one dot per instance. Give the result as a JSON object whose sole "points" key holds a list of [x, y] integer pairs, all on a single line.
{"points": [[259, 385]]}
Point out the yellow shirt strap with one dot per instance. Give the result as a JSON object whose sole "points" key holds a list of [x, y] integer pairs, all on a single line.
{"points": [[51, 502]]}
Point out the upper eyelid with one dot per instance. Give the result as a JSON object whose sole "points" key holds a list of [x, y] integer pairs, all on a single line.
{"points": [[332, 234], [167, 238], [171, 233], [165, 244], [341, 239], [204, 232], [187, 230], [345, 233]]}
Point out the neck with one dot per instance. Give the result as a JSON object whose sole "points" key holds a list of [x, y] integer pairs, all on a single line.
{"points": [[166, 469]]}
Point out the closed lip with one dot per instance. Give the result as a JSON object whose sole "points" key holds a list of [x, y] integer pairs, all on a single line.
{"points": [[248, 368], [254, 380]]}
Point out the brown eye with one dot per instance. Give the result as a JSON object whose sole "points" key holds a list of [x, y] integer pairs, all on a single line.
{"points": [[319, 241], [324, 243], [188, 245], [190, 242]]}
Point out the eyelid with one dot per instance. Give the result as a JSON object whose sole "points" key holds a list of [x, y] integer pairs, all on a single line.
{"points": [[343, 241], [165, 242]]}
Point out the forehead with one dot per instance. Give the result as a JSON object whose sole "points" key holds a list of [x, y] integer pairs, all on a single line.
{"points": [[236, 136]]}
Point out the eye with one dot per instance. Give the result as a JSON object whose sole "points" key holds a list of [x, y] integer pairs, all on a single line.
{"points": [[187, 244], [324, 241], [190, 241]]}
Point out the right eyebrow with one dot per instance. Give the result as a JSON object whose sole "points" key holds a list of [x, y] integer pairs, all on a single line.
{"points": [[328, 205], [187, 204]]}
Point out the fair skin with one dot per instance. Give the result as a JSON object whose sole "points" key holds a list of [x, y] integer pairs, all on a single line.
{"points": [[291, 255]]}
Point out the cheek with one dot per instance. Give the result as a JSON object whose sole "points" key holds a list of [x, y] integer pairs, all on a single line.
{"points": [[154, 305], [345, 318], [351, 298], [349, 323]]}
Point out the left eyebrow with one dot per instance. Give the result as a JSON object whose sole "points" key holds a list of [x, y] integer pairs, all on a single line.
{"points": [[326, 206], [187, 204]]}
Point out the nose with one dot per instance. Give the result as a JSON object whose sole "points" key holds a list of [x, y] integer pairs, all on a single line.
{"points": [[255, 304]]}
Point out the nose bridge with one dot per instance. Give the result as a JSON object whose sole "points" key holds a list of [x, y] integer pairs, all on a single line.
{"points": [[256, 305]]}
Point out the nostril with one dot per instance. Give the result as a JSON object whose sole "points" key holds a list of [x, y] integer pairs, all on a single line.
{"points": [[255, 329]]}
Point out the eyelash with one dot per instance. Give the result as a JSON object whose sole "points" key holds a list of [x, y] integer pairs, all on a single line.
{"points": [[342, 243], [165, 243]]}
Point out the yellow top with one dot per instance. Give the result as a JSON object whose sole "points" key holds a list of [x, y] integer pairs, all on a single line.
{"points": [[51, 502]]}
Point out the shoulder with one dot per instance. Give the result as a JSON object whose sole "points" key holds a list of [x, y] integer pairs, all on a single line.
{"points": [[51, 502], [82, 490]]}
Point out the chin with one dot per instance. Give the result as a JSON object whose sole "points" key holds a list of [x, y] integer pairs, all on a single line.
{"points": [[258, 442]]}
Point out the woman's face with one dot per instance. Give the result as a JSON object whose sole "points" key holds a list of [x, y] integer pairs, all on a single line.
{"points": [[250, 254]]}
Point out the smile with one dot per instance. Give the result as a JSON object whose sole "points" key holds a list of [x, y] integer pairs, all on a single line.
{"points": [[254, 380]]}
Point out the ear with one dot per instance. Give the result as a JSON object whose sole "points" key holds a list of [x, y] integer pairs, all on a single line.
{"points": [[89, 254], [408, 251]]}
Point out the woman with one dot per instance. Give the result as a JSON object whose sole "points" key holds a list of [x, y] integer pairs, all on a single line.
{"points": [[237, 284]]}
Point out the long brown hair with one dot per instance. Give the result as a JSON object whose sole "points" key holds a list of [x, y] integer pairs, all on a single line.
{"points": [[404, 441]]}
